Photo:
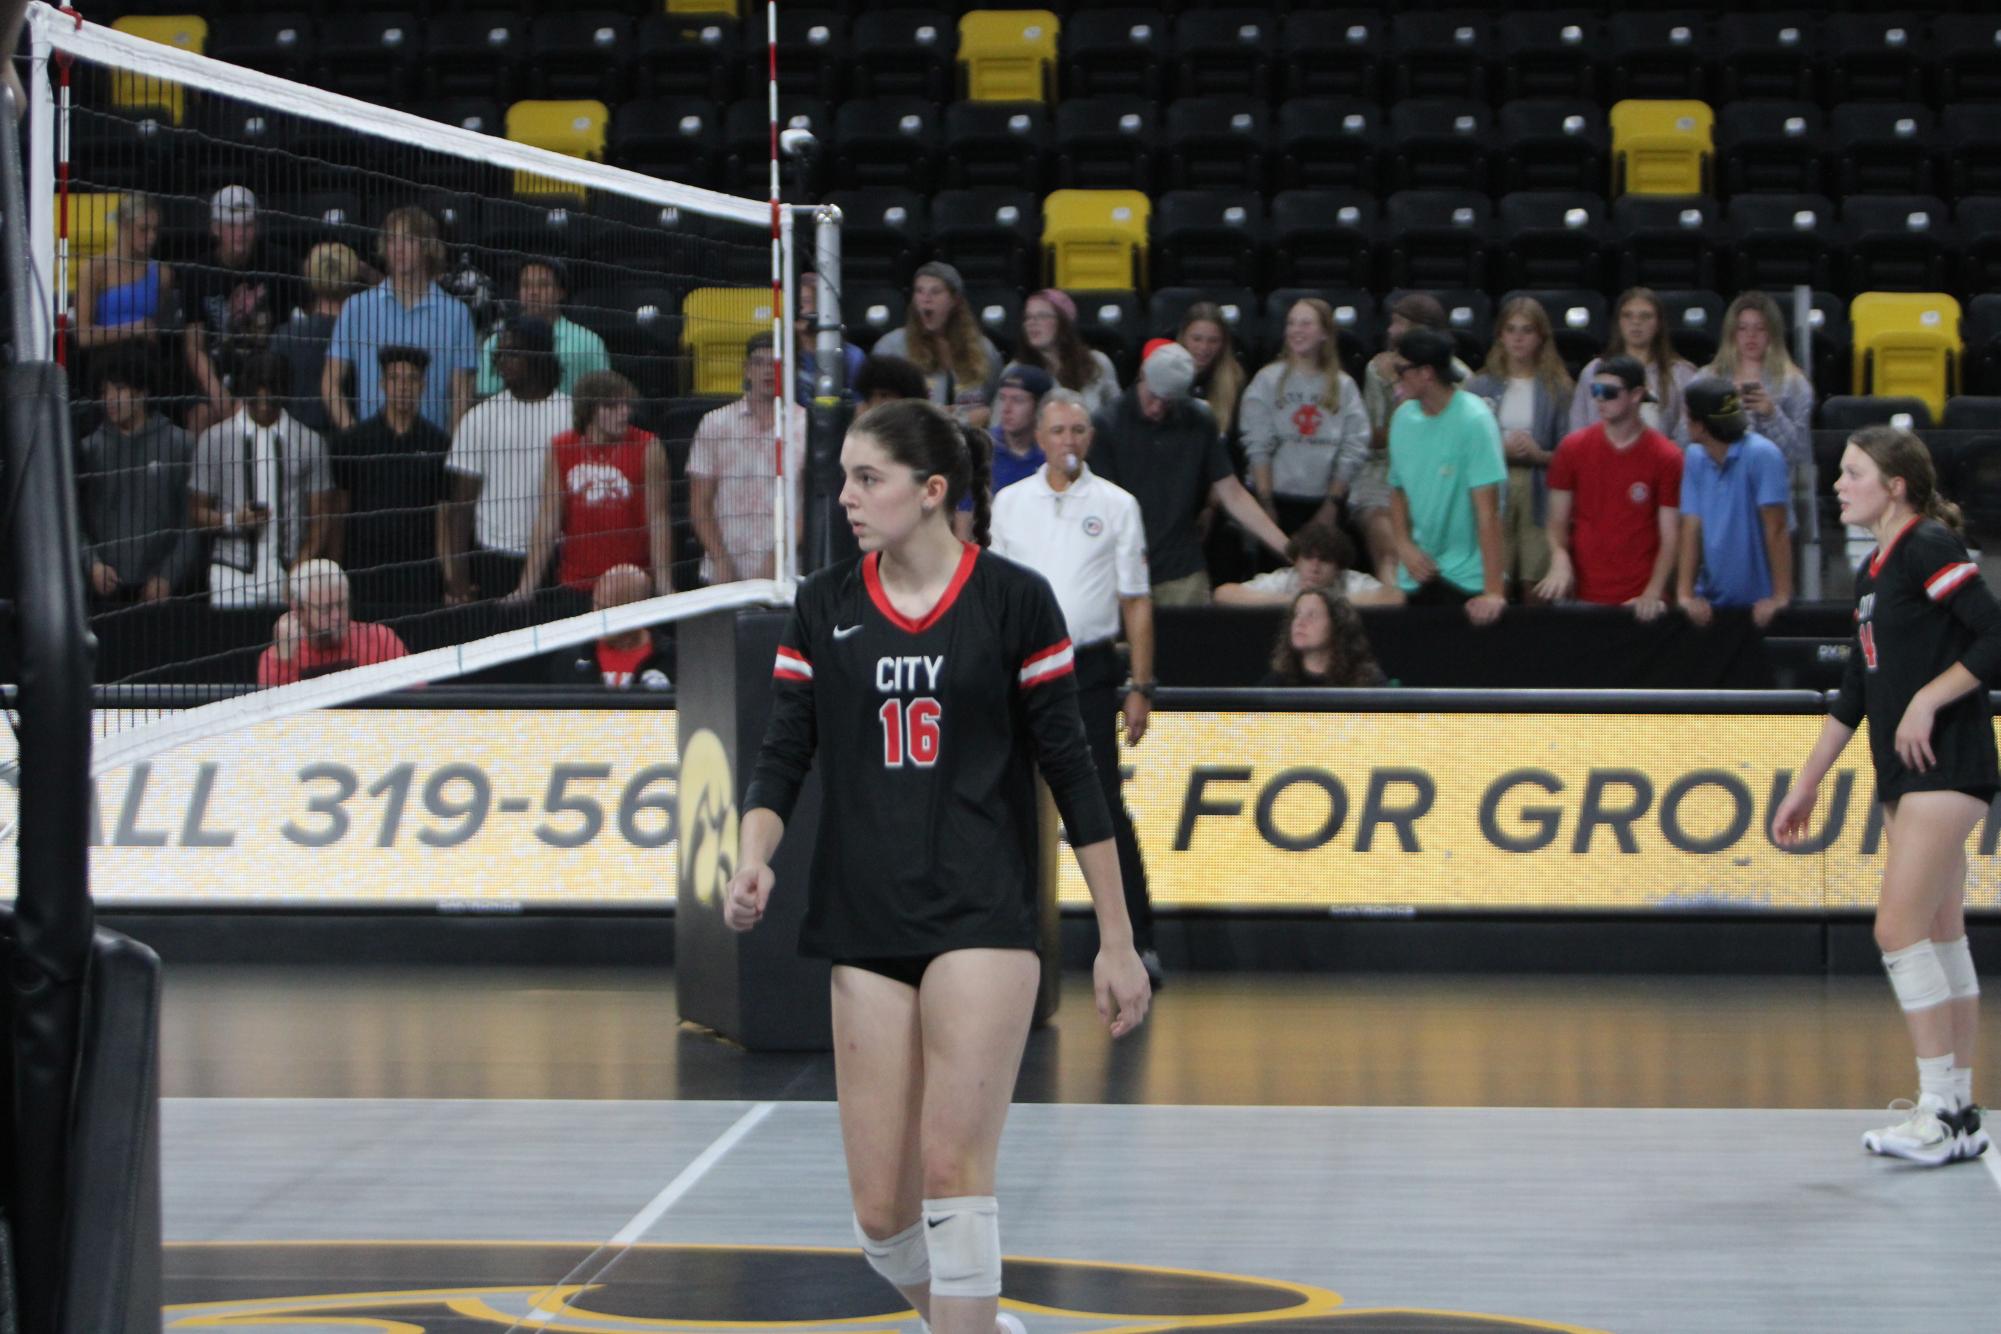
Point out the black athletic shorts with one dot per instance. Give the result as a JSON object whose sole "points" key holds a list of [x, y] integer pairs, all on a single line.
{"points": [[907, 969]]}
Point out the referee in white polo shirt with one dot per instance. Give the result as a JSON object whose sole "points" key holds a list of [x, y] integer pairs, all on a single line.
{"points": [[1085, 536]]}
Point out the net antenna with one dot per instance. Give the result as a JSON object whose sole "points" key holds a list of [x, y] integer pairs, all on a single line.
{"points": [[666, 274]]}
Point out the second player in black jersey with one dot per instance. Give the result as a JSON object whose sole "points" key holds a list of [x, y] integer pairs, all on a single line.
{"points": [[1927, 645], [929, 680]]}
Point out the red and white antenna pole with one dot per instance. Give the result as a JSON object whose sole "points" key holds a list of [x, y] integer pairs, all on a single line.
{"points": [[779, 546]]}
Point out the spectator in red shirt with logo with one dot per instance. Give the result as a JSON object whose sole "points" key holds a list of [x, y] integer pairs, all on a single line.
{"points": [[604, 495], [316, 637], [1614, 502], [636, 659]]}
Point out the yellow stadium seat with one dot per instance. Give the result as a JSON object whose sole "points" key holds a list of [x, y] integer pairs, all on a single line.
{"points": [[1907, 345], [1008, 55], [726, 7], [1662, 148], [91, 224], [1095, 240], [716, 323], [577, 129], [189, 32]]}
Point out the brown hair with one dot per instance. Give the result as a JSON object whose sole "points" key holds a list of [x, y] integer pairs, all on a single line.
{"points": [[964, 343], [1778, 358], [1548, 365], [1329, 356], [1226, 373], [1353, 664], [1660, 356], [1322, 541], [1899, 453], [1069, 358], [596, 390], [924, 438], [417, 222]]}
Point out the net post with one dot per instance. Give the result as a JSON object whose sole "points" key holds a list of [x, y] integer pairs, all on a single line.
{"points": [[828, 343], [786, 567], [40, 176]]}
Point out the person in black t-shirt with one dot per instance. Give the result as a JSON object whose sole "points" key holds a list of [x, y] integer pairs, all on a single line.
{"points": [[1927, 645], [392, 469], [235, 299], [932, 679], [1322, 643]]}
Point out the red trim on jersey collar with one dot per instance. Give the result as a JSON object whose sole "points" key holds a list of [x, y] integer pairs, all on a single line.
{"points": [[873, 581], [1876, 561]]}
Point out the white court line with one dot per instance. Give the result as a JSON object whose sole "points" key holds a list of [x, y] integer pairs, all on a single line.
{"points": [[1992, 1158]]}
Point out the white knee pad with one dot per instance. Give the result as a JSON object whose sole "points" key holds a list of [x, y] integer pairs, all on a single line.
{"points": [[1956, 958], [1916, 977], [963, 1236], [902, 1259]]}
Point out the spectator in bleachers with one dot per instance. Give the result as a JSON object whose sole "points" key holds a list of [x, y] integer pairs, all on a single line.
{"points": [[133, 474], [605, 494], [1529, 391], [1640, 331], [637, 659], [884, 379], [1736, 524], [1219, 376], [541, 288], [234, 302], [1445, 475], [1306, 433], [1050, 342], [1322, 643], [1161, 444], [731, 476], [391, 472], [262, 487], [494, 472], [1369, 497], [1776, 395], [125, 295], [333, 273], [942, 339], [316, 635], [409, 309], [1016, 455], [806, 375], [1322, 557], [1615, 502]]}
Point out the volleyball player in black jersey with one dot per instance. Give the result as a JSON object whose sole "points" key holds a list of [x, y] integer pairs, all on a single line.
{"points": [[931, 679], [1927, 644]]}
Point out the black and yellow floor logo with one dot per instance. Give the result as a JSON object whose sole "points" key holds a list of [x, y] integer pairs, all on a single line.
{"points": [[470, 1287], [708, 818]]}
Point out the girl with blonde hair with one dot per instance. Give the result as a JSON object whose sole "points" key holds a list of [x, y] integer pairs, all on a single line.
{"points": [[1525, 384], [1777, 396], [1640, 331], [1306, 433]]}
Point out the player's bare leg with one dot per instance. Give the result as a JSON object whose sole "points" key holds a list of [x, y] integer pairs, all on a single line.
{"points": [[1925, 858], [976, 1006], [879, 1080], [1949, 923]]}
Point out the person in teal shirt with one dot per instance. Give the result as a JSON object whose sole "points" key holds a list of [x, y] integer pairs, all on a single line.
{"points": [[542, 288], [1446, 474]]}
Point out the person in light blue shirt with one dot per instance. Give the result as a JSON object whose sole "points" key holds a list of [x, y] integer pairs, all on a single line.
{"points": [[408, 309], [1736, 531]]}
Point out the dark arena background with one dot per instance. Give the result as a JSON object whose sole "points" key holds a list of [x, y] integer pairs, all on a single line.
{"points": [[375, 767]]}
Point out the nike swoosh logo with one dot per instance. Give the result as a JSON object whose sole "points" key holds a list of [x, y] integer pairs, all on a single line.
{"points": [[843, 631], [932, 1222]]}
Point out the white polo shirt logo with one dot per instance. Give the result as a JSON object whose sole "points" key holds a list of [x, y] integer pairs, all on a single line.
{"points": [[1094, 526]]}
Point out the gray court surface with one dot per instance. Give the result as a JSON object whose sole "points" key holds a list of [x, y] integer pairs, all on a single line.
{"points": [[1595, 1219]]}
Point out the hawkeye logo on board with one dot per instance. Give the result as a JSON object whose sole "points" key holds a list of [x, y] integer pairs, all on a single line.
{"points": [[708, 819]]}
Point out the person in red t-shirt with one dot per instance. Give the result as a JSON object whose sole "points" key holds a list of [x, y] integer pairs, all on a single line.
{"points": [[604, 495], [1614, 502], [316, 637]]}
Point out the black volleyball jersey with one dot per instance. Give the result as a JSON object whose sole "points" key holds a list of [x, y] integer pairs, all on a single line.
{"points": [[1920, 607], [927, 734]]}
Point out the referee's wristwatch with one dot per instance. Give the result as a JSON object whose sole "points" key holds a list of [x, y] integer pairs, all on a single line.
{"points": [[1143, 689]]}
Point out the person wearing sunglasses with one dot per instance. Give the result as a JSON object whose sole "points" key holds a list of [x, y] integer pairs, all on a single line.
{"points": [[1614, 502]]}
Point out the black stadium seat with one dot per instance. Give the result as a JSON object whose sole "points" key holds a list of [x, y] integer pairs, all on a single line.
{"points": [[998, 144], [1782, 240], [1978, 222], [813, 56], [747, 140], [1216, 143], [688, 55], [1551, 239], [284, 43], [1695, 323], [1897, 243], [1324, 238], [372, 56], [581, 53], [1167, 305], [883, 234], [1552, 145], [885, 142], [1333, 53], [1969, 412], [1438, 144], [992, 236], [1106, 143], [676, 139], [1980, 332], [1769, 57], [904, 53], [1328, 143], [1844, 412], [1876, 57], [1553, 55], [870, 312], [1113, 323], [1225, 51], [1441, 54], [1209, 237], [1769, 148], [1115, 52], [1969, 56], [475, 55], [1970, 144], [1660, 55], [1437, 238], [1882, 148], [1667, 241]]}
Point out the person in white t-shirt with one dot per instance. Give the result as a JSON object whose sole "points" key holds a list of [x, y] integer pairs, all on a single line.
{"points": [[1322, 557], [730, 476], [497, 464]]}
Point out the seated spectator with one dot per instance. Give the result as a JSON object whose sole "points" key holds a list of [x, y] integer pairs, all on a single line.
{"points": [[315, 636], [494, 472], [1219, 376], [541, 288], [1445, 475], [333, 273], [1161, 444], [235, 301], [1640, 331], [1526, 387], [1016, 455], [392, 471], [1050, 342], [1736, 530], [604, 495], [732, 480], [407, 309], [637, 659], [1306, 433], [262, 488], [942, 339], [133, 473], [125, 295], [1322, 643], [1369, 497], [1614, 502], [1322, 557], [806, 375], [1777, 396], [884, 379]]}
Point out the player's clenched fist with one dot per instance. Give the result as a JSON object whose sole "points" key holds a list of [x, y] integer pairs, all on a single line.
{"points": [[749, 891]]}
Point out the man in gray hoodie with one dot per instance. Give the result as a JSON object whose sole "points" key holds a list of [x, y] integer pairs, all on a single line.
{"points": [[133, 475]]}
